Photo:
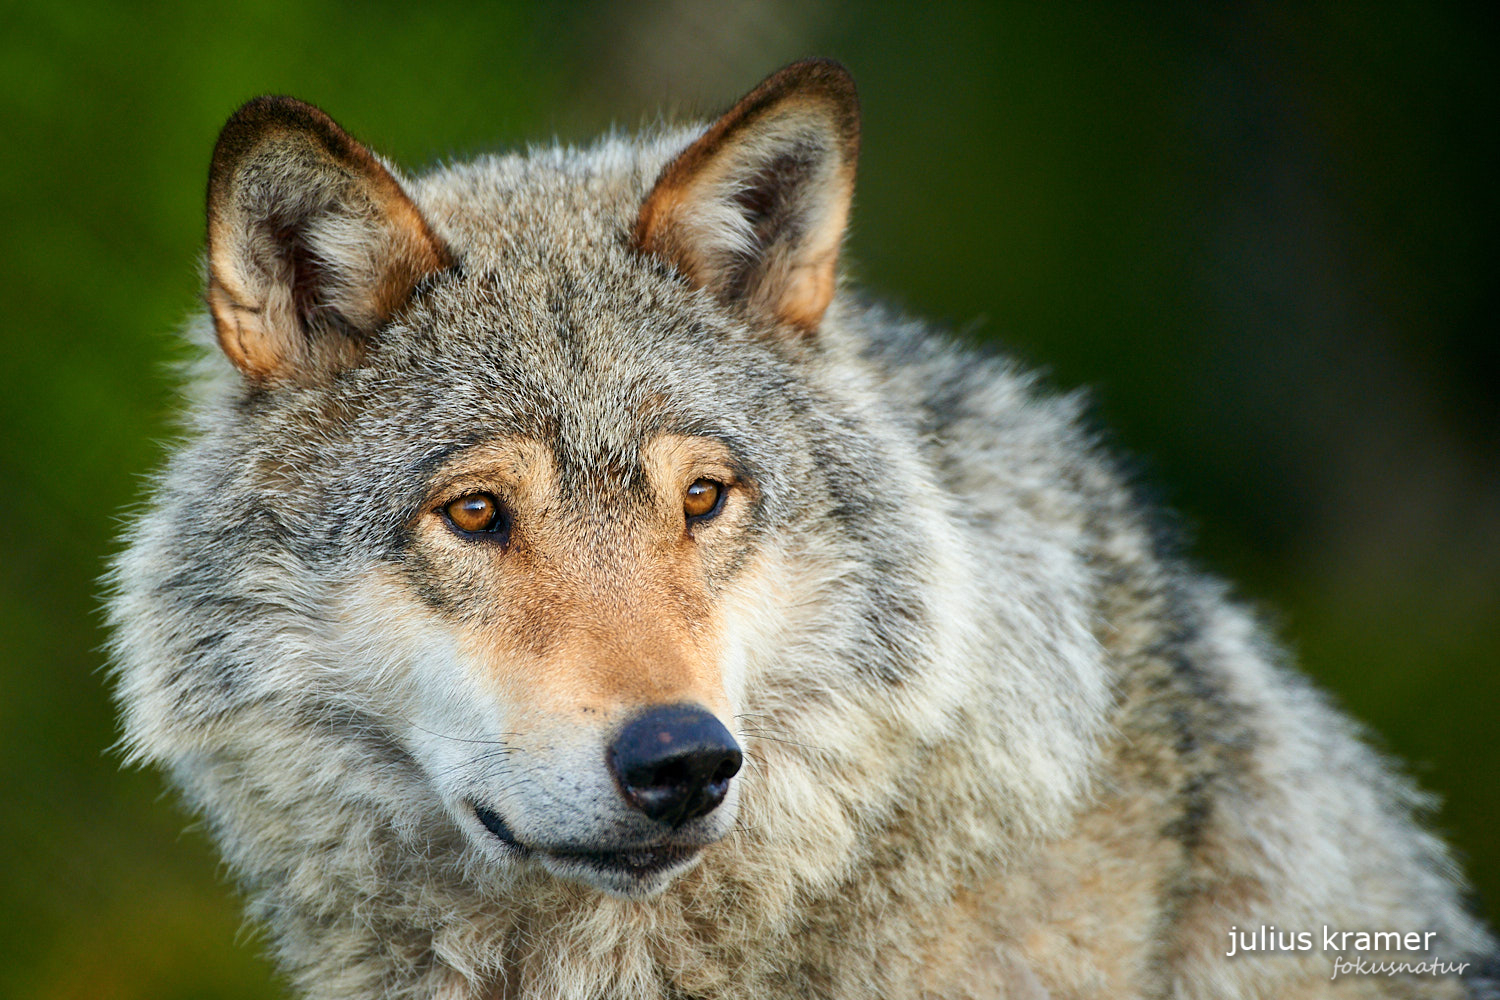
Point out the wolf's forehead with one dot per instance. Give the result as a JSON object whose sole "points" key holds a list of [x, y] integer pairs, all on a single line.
{"points": [[554, 327], [553, 340], [592, 383], [593, 354]]}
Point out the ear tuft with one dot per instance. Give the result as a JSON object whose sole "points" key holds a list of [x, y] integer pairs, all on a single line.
{"points": [[755, 209], [312, 243]]}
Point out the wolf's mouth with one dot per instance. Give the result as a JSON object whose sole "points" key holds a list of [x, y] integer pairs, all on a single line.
{"points": [[640, 862], [636, 861]]}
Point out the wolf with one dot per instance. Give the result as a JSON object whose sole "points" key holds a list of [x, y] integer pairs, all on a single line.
{"points": [[566, 586]]}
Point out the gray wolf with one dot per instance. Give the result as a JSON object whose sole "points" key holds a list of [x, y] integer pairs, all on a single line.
{"points": [[567, 587]]}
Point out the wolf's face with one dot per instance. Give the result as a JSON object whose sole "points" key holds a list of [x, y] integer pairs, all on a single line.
{"points": [[540, 437], [565, 641], [577, 610]]}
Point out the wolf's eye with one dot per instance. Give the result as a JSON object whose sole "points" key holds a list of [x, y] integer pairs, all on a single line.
{"points": [[478, 514], [703, 499]]}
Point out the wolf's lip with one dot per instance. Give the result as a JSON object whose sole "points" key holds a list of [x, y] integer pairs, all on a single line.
{"points": [[493, 823], [638, 861]]}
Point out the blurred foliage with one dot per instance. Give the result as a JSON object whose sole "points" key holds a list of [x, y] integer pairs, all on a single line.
{"points": [[1263, 234]]}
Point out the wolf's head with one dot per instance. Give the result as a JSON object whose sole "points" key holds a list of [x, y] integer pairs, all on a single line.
{"points": [[511, 456], [552, 516], [549, 401]]}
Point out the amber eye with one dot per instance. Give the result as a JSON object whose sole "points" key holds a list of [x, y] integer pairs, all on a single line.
{"points": [[478, 514], [703, 499]]}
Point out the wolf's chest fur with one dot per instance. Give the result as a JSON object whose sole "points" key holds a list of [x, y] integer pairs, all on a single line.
{"points": [[567, 589]]}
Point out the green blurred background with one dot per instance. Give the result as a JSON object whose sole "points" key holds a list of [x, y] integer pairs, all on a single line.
{"points": [[1264, 235]]}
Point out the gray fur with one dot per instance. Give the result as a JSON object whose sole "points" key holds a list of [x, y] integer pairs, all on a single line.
{"points": [[1003, 743]]}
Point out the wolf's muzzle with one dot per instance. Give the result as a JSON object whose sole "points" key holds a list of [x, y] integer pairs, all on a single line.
{"points": [[674, 763]]}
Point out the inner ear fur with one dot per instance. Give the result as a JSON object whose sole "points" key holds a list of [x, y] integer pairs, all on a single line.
{"points": [[755, 209], [312, 243]]}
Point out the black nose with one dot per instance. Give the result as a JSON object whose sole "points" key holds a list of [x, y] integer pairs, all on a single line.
{"points": [[674, 763]]}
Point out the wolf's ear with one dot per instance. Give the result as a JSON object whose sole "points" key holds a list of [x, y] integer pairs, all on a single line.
{"points": [[755, 209], [312, 244]]}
